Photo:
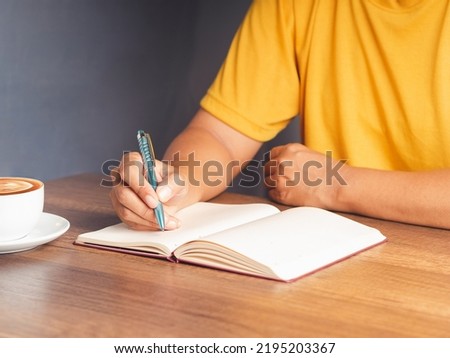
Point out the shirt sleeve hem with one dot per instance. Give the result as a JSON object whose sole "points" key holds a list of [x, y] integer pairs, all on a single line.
{"points": [[236, 121]]}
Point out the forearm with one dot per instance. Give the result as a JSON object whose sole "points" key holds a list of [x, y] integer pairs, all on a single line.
{"points": [[207, 155], [421, 198], [190, 153]]}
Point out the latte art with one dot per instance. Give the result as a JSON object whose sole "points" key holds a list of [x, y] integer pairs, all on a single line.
{"points": [[16, 186]]}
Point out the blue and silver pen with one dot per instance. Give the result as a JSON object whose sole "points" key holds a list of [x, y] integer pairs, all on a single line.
{"points": [[148, 157]]}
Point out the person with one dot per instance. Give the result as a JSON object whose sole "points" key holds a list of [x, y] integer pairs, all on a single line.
{"points": [[370, 81]]}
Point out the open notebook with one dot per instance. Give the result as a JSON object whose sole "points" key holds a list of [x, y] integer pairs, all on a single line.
{"points": [[253, 239]]}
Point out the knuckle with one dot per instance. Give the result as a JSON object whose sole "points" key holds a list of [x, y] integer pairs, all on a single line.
{"points": [[141, 190], [146, 213], [270, 181], [121, 195], [133, 225], [290, 148], [282, 195], [126, 215], [130, 157]]}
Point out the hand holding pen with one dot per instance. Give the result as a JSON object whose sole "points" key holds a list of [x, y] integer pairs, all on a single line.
{"points": [[137, 196]]}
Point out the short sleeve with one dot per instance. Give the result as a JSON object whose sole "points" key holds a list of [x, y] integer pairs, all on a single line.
{"points": [[257, 88]]}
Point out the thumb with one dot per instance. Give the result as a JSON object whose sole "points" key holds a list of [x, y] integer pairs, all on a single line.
{"points": [[172, 186]]}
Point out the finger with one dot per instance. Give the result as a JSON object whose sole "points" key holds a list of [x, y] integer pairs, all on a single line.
{"points": [[277, 195], [271, 168], [275, 181], [277, 161], [270, 181], [162, 170], [132, 174], [276, 151], [144, 221], [172, 187], [274, 195], [278, 168], [135, 214]]}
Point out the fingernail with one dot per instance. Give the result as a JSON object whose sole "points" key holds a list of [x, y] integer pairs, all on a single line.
{"points": [[164, 193], [172, 224], [151, 201]]}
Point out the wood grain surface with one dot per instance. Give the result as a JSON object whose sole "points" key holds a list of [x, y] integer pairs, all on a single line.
{"points": [[397, 289]]}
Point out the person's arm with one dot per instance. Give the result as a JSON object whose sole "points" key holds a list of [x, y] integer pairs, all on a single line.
{"points": [[421, 198], [202, 160], [207, 155], [310, 178]]}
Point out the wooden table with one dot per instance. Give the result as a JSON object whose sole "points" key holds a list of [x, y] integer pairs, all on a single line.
{"points": [[397, 289]]}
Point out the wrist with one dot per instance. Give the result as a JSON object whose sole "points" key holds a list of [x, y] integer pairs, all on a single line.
{"points": [[191, 190], [345, 191]]}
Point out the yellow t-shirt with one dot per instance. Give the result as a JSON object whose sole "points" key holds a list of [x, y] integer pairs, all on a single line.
{"points": [[370, 79]]}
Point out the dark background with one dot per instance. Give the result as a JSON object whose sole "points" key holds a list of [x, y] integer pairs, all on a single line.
{"points": [[79, 77]]}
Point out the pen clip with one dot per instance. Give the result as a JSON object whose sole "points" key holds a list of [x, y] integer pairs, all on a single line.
{"points": [[146, 149], [150, 147]]}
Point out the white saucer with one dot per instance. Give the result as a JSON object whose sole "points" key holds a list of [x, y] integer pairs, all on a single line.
{"points": [[48, 228]]}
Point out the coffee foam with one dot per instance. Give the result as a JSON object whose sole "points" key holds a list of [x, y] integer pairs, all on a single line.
{"points": [[15, 186]]}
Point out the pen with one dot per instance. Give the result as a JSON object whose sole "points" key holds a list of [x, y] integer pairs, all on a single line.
{"points": [[148, 157]]}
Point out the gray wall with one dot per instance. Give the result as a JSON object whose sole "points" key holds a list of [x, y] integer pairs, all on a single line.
{"points": [[79, 77]]}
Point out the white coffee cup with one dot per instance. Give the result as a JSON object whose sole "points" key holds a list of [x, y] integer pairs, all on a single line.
{"points": [[21, 205]]}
